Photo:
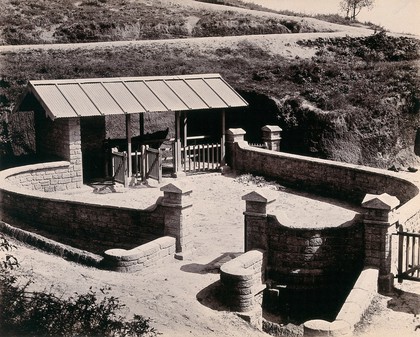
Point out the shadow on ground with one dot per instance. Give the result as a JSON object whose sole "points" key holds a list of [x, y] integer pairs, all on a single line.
{"points": [[211, 267], [403, 301], [212, 297]]}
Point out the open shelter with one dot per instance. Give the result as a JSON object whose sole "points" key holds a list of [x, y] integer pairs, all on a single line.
{"points": [[70, 121]]}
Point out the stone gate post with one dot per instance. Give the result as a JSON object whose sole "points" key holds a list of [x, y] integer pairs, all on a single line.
{"points": [[256, 219], [271, 137], [378, 221], [177, 206], [233, 136]]}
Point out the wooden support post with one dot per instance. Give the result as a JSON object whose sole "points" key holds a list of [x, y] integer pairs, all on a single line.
{"points": [[143, 163], [128, 136], [185, 123], [222, 141], [177, 163], [141, 122]]}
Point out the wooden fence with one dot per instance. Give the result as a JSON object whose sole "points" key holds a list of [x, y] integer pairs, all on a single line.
{"points": [[201, 157], [408, 256]]}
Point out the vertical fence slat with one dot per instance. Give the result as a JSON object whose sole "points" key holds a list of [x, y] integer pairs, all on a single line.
{"points": [[199, 157], [413, 252], [418, 256], [400, 256], [407, 253]]}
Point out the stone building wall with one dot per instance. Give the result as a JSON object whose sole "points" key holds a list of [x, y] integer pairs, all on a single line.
{"points": [[59, 139]]}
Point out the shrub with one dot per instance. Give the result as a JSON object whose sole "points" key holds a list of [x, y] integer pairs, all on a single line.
{"points": [[24, 313]]}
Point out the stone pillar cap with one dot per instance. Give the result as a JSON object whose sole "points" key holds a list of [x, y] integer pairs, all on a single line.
{"points": [[271, 128], [176, 187], [264, 196], [235, 131], [383, 201]]}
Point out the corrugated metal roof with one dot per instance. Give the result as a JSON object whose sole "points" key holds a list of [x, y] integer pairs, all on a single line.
{"points": [[109, 96]]}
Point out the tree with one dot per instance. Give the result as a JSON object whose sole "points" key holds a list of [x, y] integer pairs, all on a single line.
{"points": [[353, 7]]}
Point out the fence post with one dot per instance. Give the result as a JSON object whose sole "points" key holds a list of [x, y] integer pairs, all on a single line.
{"points": [[177, 208], [378, 219], [233, 136], [271, 137], [256, 220]]}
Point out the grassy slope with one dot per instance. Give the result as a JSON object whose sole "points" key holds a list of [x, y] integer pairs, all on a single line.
{"points": [[357, 101]]}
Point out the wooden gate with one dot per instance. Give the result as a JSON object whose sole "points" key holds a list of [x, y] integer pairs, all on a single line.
{"points": [[153, 164], [408, 256], [202, 157], [120, 167]]}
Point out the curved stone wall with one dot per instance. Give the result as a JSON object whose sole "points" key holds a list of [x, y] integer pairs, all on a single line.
{"points": [[243, 279], [340, 180], [83, 225], [47, 177]]}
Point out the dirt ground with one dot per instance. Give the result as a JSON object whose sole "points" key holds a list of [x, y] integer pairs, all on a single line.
{"points": [[181, 296]]}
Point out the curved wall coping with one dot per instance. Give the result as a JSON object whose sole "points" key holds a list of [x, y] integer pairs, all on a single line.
{"points": [[140, 257], [403, 213], [240, 266], [8, 186]]}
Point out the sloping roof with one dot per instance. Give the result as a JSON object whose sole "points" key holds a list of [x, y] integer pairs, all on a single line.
{"points": [[115, 96]]}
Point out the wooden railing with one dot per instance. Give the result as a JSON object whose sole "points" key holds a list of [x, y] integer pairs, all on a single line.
{"points": [[202, 157]]}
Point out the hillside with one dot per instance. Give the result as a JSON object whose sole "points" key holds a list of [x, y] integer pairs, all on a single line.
{"points": [[338, 92]]}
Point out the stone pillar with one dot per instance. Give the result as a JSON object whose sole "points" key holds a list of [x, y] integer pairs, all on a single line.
{"points": [[177, 207], [378, 221], [256, 220], [233, 136], [75, 151], [271, 137]]}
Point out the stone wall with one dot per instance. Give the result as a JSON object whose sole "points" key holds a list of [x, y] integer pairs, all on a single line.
{"points": [[308, 258], [55, 140], [93, 227], [340, 180], [47, 177], [140, 257], [243, 280]]}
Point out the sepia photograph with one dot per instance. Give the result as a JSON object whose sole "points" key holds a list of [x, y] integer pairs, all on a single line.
{"points": [[209, 168]]}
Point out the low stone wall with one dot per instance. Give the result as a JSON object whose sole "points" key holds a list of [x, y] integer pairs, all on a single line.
{"points": [[65, 251], [141, 257], [302, 258], [351, 312], [47, 177], [91, 226], [243, 280], [340, 180]]}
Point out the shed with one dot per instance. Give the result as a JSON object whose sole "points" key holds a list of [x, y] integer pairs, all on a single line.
{"points": [[63, 107]]}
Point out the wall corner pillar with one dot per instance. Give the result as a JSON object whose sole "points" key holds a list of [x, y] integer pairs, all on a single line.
{"points": [[271, 137], [177, 206], [235, 135], [256, 220], [378, 219]]}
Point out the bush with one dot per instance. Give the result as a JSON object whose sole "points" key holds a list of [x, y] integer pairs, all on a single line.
{"points": [[25, 313]]}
